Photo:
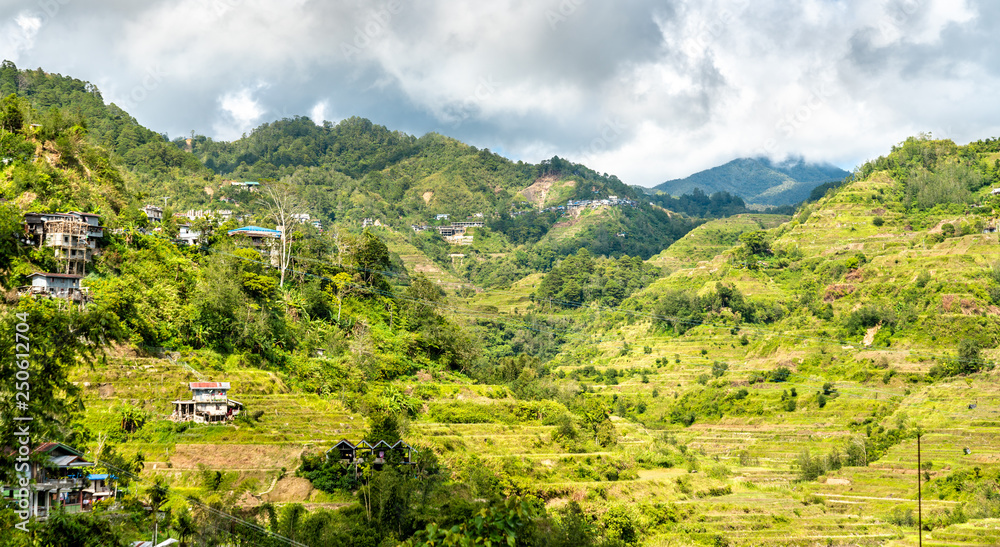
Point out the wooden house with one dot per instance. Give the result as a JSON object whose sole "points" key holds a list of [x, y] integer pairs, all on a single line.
{"points": [[59, 479], [56, 285]]}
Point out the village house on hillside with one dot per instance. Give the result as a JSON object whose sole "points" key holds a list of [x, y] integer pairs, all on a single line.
{"points": [[265, 240], [73, 237], [61, 479], [209, 404], [56, 285], [378, 454], [153, 213]]}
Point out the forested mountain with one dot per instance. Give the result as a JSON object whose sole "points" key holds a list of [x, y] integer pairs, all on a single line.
{"points": [[763, 381], [758, 180]]}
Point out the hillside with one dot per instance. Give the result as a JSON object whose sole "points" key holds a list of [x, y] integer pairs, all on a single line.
{"points": [[609, 374], [758, 181]]}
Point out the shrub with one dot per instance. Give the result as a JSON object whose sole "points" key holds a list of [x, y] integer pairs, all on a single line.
{"points": [[779, 374], [878, 221], [718, 369]]}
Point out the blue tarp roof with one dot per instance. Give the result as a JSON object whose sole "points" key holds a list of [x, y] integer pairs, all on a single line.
{"points": [[253, 229]]}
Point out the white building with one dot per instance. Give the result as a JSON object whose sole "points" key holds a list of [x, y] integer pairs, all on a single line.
{"points": [[209, 403]]}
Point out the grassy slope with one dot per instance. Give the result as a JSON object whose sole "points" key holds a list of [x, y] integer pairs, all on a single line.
{"points": [[764, 506], [708, 240]]}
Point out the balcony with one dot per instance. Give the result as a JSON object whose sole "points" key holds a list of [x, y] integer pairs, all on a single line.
{"points": [[56, 483]]}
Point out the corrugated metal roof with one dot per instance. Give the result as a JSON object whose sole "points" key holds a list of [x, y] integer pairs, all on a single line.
{"points": [[56, 275], [63, 461], [209, 385]]}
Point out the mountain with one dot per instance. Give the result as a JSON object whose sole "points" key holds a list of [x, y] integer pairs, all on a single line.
{"points": [[763, 381], [758, 181]]}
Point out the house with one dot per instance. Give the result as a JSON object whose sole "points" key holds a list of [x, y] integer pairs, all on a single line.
{"points": [[263, 239], [995, 192], [56, 285], [301, 217], [370, 222], [59, 479], [209, 403], [166, 543], [248, 185], [378, 454], [187, 235], [72, 235], [100, 487], [153, 213], [442, 216]]}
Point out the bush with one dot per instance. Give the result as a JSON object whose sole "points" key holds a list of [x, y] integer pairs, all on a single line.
{"points": [[878, 221], [779, 374]]}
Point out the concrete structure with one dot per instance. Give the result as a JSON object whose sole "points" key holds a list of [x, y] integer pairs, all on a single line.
{"points": [[55, 285], [153, 213], [209, 404], [187, 235], [72, 235]]}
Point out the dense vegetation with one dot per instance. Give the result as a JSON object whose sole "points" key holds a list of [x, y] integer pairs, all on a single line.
{"points": [[559, 389]]}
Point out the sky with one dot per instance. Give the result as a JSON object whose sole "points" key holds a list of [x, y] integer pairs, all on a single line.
{"points": [[645, 90]]}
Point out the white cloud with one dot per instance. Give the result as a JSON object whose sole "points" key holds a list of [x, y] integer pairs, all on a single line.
{"points": [[239, 113], [17, 35], [684, 85], [318, 114]]}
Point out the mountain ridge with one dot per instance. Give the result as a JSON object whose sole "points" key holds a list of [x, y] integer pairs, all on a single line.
{"points": [[759, 181]]}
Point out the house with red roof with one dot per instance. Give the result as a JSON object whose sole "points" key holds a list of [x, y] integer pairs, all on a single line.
{"points": [[209, 404]]}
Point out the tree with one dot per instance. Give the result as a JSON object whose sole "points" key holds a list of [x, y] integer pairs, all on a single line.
{"points": [[343, 282], [281, 201], [755, 243], [371, 257], [969, 357], [12, 111]]}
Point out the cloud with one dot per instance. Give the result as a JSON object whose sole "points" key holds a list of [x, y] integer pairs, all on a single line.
{"points": [[18, 33], [647, 90], [318, 114], [240, 113]]}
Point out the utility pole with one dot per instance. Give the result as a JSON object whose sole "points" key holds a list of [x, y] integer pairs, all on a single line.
{"points": [[920, 519], [165, 201]]}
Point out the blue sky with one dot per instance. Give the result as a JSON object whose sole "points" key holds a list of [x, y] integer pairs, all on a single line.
{"points": [[646, 90]]}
